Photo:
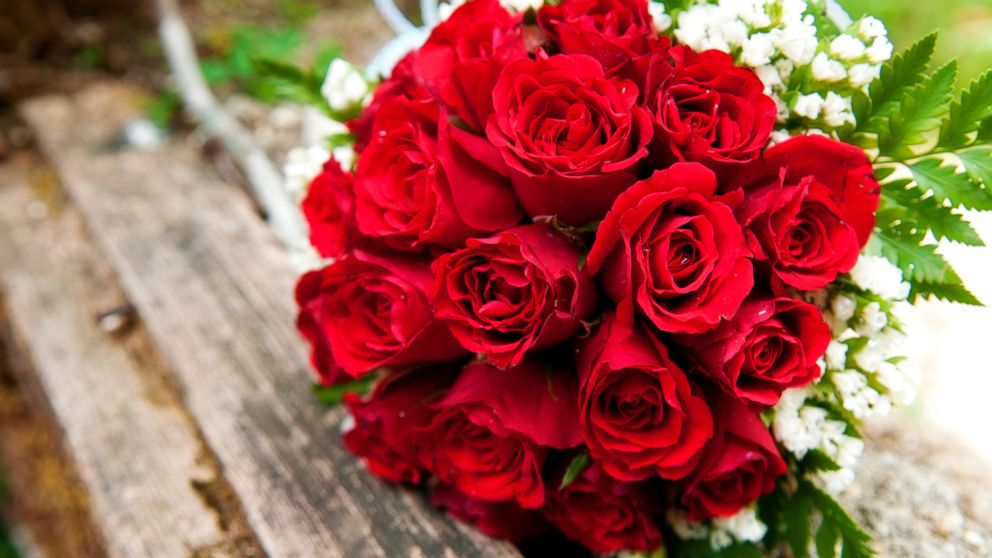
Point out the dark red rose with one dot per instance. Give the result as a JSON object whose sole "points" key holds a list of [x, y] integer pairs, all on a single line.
{"points": [[328, 207], [495, 427], [741, 462], [572, 138], [501, 520], [614, 32], [464, 55], [769, 346], [675, 250], [809, 208], [706, 109], [374, 312], [308, 323], [385, 422], [640, 416], [401, 83], [604, 514], [421, 181], [516, 291]]}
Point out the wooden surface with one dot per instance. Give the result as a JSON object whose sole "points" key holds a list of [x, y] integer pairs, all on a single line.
{"points": [[214, 291], [134, 449]]}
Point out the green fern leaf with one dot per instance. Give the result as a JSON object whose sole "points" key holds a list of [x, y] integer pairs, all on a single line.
{"points": [[978, 163], [904, 71], [968, 112], [920, 112], [947, 184]]}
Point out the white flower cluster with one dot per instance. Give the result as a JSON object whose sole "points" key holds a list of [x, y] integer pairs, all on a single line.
{"points": [[344, 87], [779, 39], [304, 163], [865, 363], [744, 526]]}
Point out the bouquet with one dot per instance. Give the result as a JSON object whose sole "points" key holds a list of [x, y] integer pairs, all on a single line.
{"points": [[631, 272]]}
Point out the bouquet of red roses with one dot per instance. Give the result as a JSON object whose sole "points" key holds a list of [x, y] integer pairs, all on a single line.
{"points": [[606, 275]]}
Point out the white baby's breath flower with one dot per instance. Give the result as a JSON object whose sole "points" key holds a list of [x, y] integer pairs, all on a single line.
{"points": [[344, 87], [808, 106], [797, 42], [837, 110], [871, 28], [662, 21], [880, 50], [843, 308], [836, 355], [744, 526], [825, 69], [303, 164], [345, 155], [847, 47], [735, 33], [880, 276], [757, 50], [685, 529], [860, 75]]}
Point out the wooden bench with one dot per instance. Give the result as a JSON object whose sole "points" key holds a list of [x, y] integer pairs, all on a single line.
{"points": [[148, 314]]}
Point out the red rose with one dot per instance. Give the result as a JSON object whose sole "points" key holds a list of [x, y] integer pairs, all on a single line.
{"points": [[501, 520], [614, 32], [640, 415], [706, 109], [516, 291], [769, 346], [809, 208], [741, 463], [604, 514], [309, 325], [675, 250], [385, 421], [401, 83], [421, 181], [572, 137], [328, 207], [465, 54], [494, 429], [374, 312]]}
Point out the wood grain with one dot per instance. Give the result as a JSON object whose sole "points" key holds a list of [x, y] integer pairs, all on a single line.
{"points": [[135, 454], [214, 289]]}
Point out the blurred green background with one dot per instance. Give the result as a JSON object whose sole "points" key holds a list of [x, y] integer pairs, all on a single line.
{"points": [[965, 28]]}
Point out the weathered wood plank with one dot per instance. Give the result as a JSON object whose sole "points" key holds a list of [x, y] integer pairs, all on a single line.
{"points": [[136, 454], [214, 289]]}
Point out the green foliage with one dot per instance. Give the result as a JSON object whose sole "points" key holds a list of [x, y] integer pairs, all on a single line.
{"points": [[333, 395], [933, 154], [578, 466], [703, 549]]}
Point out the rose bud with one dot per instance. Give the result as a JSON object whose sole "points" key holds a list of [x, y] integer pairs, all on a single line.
{"points": [[421, 182], [741, 462], [604, 514], [706, 109], [572, 138], [674, 250], [384, 422], [769, 346], [328, 207], [464, 55], [501, 520], [809, 209], [495, 427], [614, 32], [308, 323], [374, 312], [513, 292], [640, 416]]}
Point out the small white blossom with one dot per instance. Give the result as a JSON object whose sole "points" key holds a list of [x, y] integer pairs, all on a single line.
{"points": [[836, 355], [757, 50], [744, 526], [860, 75], [344, 87], [843, 308], [303, 164], [798, 43], [880, 50], [871, 28], [808, 106], [662, 21], [847, 47], [345, 155], [769, 76], [825, 69], [880, 276], [685, 529], [735, 33], [837, 110]]}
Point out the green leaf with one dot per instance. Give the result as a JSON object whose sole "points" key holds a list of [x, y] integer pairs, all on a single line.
{"points": [[897, 76], [920, 112], [912, 212], [703, 549], [797, 523], [919, 263], [578, 466], [826, 540], [947, 184], [968, 112], [948, 292], [816, 460], [856, 542], [978, 163], [333, 395]]}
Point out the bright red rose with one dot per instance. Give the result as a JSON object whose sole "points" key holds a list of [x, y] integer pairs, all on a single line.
{"points": [[464, 55], [328, 207], [741, 462], [640, 416], [403, 82], [572, 138], [617, 33], [495, 427], [385, 421], [809, 208], [516, 291], [604, 514], [706, 109], [309, 325], [501, 520], [769, 346], [374, 312], [675, 250]]}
